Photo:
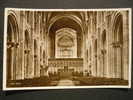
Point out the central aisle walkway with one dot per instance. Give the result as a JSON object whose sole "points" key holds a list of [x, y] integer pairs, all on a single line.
{"points": [[65, 82]]}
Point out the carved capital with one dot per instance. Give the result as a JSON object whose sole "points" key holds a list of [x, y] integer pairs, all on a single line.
{"points": [[116, 44], [27, 51], [12, 44], [103, 51]]}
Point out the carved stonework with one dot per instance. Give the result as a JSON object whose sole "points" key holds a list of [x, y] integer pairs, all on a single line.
{"points": [[66, 41], [116, 44], [103, 51], [88, 47], [13, 44]]}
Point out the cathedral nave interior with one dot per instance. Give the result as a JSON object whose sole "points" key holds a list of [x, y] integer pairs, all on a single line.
{"points": [[67, 44]]}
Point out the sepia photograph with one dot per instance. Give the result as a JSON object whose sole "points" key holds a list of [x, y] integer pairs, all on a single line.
{"points": [[67, 48]]}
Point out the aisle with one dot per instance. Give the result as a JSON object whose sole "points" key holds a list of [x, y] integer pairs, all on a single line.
{"points": [[66, 82]]}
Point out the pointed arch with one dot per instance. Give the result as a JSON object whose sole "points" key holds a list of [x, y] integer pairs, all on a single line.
{"points": [[118, 45], [12, 45]]}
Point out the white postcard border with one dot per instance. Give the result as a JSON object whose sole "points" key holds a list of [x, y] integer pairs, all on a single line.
{"points": [[67, 87]]}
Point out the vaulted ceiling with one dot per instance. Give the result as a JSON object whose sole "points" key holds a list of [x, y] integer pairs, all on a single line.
{"points": [[65, 22], [58, 20]]}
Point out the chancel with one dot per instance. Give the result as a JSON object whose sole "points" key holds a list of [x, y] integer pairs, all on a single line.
{"points": [[46, 48]]}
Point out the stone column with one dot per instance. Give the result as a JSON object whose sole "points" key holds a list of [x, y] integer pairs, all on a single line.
{"points": [[108, 36], [111, 50], [126, 35], [18, 47], [38, 42], [32, 46], [84, 53], [119, 62], [98, 54], [93, 60], [21, 45], [17, 60], [12, 61]]}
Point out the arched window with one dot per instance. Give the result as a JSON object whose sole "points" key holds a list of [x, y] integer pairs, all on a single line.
{"points": [[66, 43]]}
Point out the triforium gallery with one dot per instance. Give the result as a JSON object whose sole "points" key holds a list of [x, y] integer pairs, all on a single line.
{"points": [[45, 48]]}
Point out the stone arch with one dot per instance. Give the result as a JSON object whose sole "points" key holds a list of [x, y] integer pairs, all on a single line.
{"points": [[118, 45], [58, 17], [115, 15], [79, 15], [66, 42], [54, 26], [12, 46], [118, 36]]}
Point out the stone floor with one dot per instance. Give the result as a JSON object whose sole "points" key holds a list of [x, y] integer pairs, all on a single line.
{"points": [[65, 82], [73, 81]]}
